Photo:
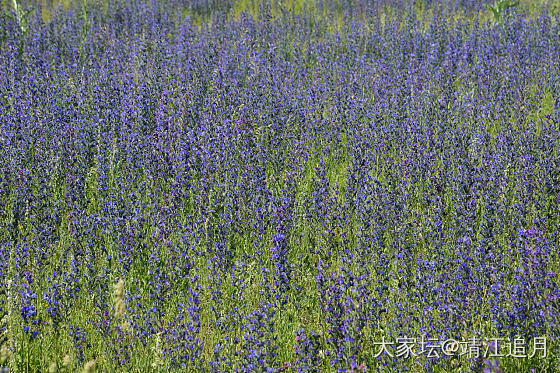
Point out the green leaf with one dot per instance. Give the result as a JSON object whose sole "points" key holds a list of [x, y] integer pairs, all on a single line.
{"points": [[26, 13]]}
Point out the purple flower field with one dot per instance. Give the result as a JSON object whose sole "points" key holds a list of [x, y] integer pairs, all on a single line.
{"points": [[279, 186]]}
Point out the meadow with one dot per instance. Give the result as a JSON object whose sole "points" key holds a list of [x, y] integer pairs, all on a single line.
{"points": [[279, 186]]}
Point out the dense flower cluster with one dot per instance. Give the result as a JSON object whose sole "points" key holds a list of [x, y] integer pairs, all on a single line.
{"points": [[277, 186]]}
